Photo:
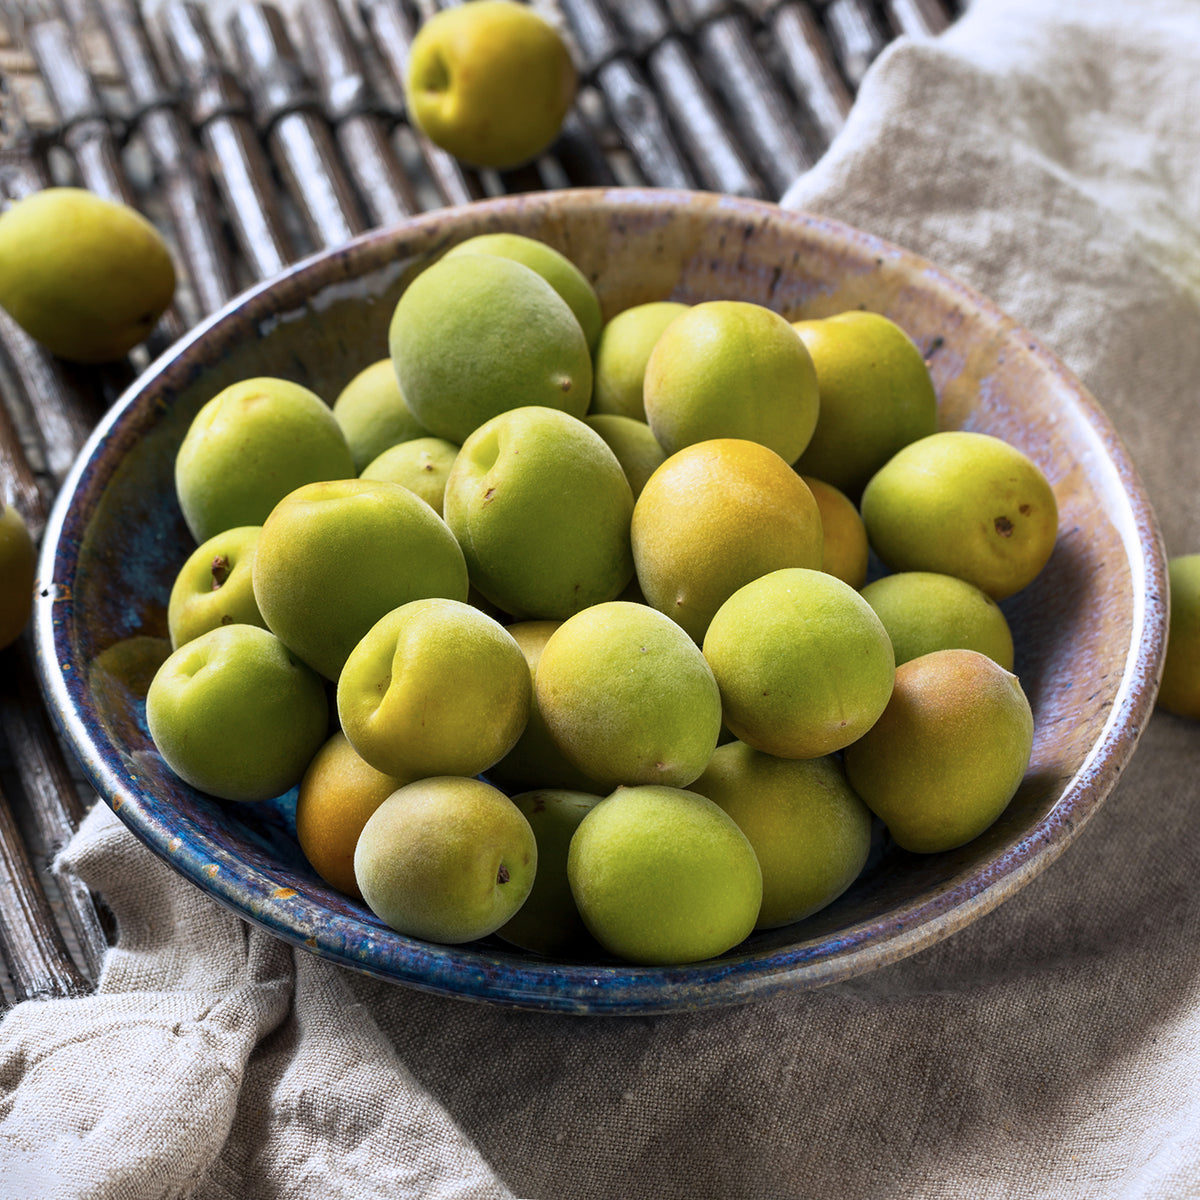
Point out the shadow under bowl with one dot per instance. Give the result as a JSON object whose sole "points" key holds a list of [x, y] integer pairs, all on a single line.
{"points": [[1090, 631]]}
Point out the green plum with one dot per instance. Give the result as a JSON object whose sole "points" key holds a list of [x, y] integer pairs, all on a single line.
{"points": [[549, 922], [664, 876], [373, 415], [803, 663], [490, 82], [965, 504], [845, 551], [446, 859], [924, 611], [338, 792], [541, 508], [636, 448], [552, 265], [334, 557], [715, 516], [876, 397], [622, 353], [475, 335], [422, 465], [435, 687], [84, 276], [215, 586], [236, 714], [811, 834], [628, 697], [248, 447], [536, 761], [731, 369], [948, 752]]}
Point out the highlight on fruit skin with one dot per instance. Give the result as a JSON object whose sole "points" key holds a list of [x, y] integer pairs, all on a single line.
{"points": [[85, 277]]}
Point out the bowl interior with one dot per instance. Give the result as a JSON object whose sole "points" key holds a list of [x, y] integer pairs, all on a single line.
{"points": [[1088, 632]]}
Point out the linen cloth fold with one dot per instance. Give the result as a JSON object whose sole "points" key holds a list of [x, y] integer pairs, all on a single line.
{"points": [[1050, 156]]}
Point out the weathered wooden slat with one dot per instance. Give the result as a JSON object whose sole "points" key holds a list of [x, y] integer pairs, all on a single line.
{"points": [[355, 113], [30, 490], [918, 18], [50, 795], [187, 190], [758, 108], [220, 113], [810, 68], [709, 140], [35, 953], [394, 29], [855, 36], [298, 137], [46, 793], [632, 104]]}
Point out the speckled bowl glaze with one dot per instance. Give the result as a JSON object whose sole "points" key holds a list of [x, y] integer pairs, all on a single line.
{"points": [[1089, 631]]}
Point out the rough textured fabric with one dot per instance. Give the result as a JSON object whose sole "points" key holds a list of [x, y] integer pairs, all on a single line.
{"points": [[1050, 155], [211, 1063]]}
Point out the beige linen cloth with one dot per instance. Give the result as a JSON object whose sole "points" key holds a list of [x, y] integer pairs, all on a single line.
{"points": [[1050, 155]]}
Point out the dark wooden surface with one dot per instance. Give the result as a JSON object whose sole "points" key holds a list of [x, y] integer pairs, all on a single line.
{"points": [[253, 135]]}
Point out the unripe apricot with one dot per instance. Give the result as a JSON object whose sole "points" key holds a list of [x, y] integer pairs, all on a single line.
{"points": [[947, 754], [803, 663], [447, 859], [628, 697], [731, 369], [338, 793], [715, 516], [965, 504], [662, 875]]}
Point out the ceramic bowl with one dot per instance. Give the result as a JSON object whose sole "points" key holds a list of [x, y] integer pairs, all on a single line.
{"points": [[1089, 631]]}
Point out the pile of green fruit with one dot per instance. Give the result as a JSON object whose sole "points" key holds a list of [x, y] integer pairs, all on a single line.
{"points": [[585, 607]]}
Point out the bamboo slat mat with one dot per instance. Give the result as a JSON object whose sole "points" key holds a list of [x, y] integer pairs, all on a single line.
{"points": [[254, 135]]}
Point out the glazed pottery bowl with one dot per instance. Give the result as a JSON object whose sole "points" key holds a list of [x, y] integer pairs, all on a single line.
{"points": [[1089, 631]]}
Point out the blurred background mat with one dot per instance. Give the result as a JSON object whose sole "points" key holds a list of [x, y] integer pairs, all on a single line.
{"points": [[254, 135]]}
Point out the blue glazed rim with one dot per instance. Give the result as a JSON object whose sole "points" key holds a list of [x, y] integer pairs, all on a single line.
{"points": [[238, 870]]}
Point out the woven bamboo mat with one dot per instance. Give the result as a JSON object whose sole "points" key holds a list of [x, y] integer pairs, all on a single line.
{"points": [[254, 135]]}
